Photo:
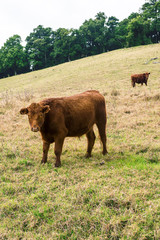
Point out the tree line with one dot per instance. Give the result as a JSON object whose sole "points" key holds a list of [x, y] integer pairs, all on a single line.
{"points": [[45, 47]]}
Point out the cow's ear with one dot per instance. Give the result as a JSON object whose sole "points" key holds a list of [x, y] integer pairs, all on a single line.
{"points": [[46, 109], [24, 111]]}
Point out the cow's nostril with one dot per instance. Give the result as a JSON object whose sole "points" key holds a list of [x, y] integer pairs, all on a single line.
{"points": [[35, 129]]}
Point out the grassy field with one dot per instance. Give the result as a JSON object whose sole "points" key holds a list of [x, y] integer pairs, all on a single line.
{"points": [[105, 197]]}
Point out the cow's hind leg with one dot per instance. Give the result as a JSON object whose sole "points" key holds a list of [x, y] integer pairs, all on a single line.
{"points": [[91, 139], [46, 146], [102, 132]]}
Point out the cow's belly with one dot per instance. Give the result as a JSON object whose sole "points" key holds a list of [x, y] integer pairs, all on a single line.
{"points": [[81, 124], [139, 81], [79, 128], [77, 132]]}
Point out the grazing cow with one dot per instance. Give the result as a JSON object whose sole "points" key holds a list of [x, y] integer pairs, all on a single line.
{"points": [[57, 118], [139, 78]]}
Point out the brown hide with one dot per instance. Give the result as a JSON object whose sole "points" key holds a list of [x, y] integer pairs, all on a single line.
{"points": [[57, 118], [139, 78]]}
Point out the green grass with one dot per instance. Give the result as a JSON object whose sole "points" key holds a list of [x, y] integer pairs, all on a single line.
{"points": [[105, 197]]}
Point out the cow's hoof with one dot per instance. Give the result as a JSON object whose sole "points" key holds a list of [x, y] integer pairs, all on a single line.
{"points": [[58, 164], [43, 162], [87, 155], [105, 152]]}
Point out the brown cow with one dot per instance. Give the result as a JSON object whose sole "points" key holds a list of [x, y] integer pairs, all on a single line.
{"points": [[139, 78], [57, 118]]}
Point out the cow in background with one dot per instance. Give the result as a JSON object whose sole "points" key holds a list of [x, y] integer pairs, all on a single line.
{"points": [[57, 118], [139, 78]]}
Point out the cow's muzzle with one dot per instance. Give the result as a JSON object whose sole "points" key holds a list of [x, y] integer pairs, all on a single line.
{"points": [[35, 129]]}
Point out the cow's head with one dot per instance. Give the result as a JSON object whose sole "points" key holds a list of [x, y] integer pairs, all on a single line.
{"points": [[36, 115], [147, 74]]}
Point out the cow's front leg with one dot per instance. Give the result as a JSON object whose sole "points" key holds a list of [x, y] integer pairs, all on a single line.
{"points": [[45, 151], [58, 150], [133, 84]]}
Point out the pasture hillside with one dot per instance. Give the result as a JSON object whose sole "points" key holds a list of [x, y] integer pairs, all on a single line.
{"points": [[116, 196]]}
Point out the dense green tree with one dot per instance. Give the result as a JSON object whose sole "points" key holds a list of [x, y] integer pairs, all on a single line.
{"points": [[151, 13], [93, 32], [121, 33], [113, 41], [13, 58], [39, 46], [62, 44], [88, 31], [76, 45], [101, 30], [137, 30]]}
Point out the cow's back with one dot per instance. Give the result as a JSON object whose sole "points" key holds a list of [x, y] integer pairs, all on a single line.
{"points": [[77, 113]]}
